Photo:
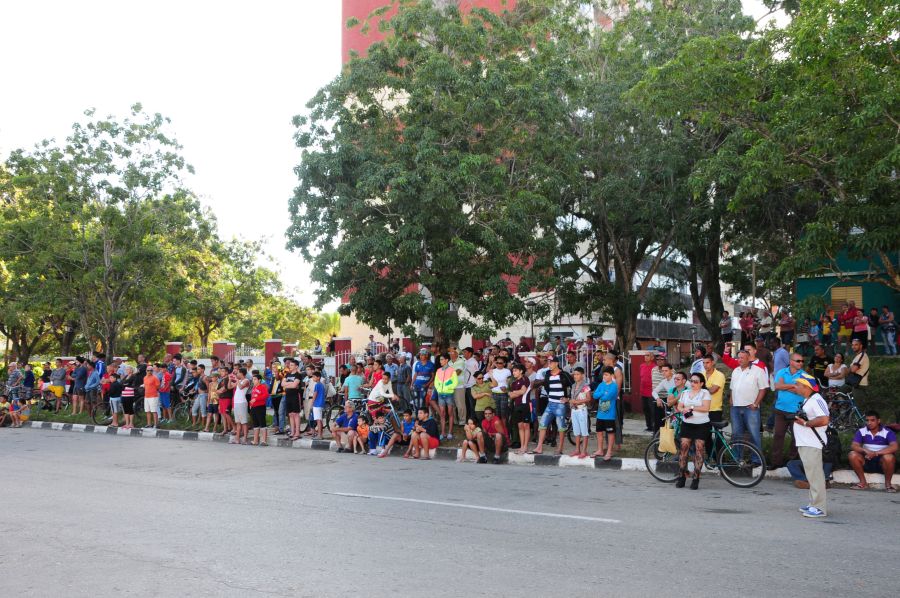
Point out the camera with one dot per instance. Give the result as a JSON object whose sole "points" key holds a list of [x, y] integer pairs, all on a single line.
{"points": [[689, 414]]}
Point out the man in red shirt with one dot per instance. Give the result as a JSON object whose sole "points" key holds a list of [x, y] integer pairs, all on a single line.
{"points": [[732, 363], [151, 396], [647, 400], [494, 436]]}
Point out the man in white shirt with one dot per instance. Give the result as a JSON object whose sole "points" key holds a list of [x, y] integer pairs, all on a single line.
{"points": [[661, 393], [499, 390], [809, 434], [749, 385], [472, 366]]}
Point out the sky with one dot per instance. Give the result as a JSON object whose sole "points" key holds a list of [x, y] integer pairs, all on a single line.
{"points": [[230, 75]]}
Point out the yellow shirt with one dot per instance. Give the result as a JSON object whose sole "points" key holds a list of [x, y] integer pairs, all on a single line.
{"points": [[717, 378]]}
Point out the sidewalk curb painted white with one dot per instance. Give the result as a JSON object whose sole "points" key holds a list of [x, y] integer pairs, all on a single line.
{"points": [[841, 476]]}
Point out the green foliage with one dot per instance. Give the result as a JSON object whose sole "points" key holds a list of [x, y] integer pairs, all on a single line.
{"points": [[881, 395], [422, 167]]}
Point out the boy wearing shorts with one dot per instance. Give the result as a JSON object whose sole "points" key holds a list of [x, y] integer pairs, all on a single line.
{"points": [[521, 406], [115, 398], [212, 405], [581, 399], [402, 439], [606, 396], [258, 397], [151, 396]]}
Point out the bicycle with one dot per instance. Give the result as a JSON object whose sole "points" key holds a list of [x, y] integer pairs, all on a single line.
{"points": [[844, 415], [740, 463], [47, 402], [101, 414]]}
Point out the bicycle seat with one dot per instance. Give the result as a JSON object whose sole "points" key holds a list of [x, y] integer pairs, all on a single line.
{"points": [[719, 425]]}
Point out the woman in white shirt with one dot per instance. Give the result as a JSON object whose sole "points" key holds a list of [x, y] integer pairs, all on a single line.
{"points": [[693, 405], [837, 371], [240, 407], [380, 394]]}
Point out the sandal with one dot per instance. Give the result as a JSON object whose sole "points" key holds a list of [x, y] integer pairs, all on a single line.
{"points": [[890, 490], [859, 487]]}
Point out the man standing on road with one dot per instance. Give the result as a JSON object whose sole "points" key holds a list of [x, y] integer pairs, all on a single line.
{"points": [[151, 396], [749, 386], [809, 434], [786, 404]]}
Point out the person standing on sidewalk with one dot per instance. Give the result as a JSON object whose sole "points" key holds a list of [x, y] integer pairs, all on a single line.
{"points": [[810, 425], [749, 387], [647, 401], [151, 396], [786, 404], [661, 393], [459, 393]]}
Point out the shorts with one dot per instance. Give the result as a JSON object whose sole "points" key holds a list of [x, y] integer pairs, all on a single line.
{"points": [[696, 431], [212, 409], [78, 390], [225, 405], [58, 391], [151, 404], [522, 413], [605, 425], [115, 404], [433, 442], [317, 413], [292, 404], [445, 400], [240, 413], [490, 445], [165, 400], [557, 410], [199, 406], [580, 423], [873, 465], [258, 415], [128, 405]]}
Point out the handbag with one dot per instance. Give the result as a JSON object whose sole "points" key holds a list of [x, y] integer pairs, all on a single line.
{"points": [[667, 439]]}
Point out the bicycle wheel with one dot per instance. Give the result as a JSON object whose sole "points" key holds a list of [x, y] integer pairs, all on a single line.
{"points": [[662, 466], [182, 414], [100, 414], [736, 464]]}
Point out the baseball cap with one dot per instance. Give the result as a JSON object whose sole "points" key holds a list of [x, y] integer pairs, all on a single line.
{"points": [[807, 381], [553, 358]]}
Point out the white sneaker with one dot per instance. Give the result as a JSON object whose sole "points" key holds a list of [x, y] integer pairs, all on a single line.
{"points": [[380, 452], [813, 512], [373, 452]]}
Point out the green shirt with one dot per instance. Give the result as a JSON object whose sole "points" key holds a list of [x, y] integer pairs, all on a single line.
{"points": [[484, 402]]}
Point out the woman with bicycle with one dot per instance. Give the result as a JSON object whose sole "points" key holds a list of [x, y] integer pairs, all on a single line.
{"points": [[693, 405]]}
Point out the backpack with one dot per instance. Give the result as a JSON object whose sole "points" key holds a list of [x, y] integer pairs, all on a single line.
{"points": [[832, 451]]}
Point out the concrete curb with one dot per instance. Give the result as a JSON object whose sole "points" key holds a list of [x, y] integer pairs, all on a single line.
{"points": [[841, 476]]}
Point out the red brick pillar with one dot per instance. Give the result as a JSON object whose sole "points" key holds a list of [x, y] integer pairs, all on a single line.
{"points": [[290, 348], [407, 345], [220, 349], [173, 347], [273, 348]]}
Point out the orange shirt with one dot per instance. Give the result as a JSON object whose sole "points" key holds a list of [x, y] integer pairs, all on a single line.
{"points": [[151, 386]]}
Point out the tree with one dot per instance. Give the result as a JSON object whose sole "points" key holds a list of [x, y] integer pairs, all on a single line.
{"points": [[816, 108], [273, 316], [421, 167], [104, 217], [630, 195], [225, 282]]}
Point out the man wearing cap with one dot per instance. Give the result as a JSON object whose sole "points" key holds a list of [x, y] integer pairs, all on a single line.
{"points": [[810, 425], [786, 404]]}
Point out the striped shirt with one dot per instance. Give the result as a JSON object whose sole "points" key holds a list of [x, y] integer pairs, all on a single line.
{"points": [[556, 386]]}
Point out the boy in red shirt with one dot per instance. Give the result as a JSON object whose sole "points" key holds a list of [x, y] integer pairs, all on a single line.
{"points": [[258, 397]]}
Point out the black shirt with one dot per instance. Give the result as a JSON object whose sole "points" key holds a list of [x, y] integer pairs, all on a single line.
{"points": [[430, 426], [115, 389], [818, 366], [291, 393]]}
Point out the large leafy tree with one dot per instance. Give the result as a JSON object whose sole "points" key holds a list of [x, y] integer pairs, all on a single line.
{"points": [[104, 217], [816, 108], [424, 167]]}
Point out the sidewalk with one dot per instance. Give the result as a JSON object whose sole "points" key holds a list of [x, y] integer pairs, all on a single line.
{"points": [[841, 476]]}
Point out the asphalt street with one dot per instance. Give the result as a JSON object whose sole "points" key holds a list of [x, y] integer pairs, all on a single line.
{"points": [[99, 515]]}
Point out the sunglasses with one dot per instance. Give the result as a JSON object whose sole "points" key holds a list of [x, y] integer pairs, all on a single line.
{"points": [[797, 360], [695, 382]]}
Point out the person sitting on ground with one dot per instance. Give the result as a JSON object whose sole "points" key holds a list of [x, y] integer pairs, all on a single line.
{"points": [[425, 436], [470, 442], [381, 393], [494, 437], [873, 450], [5, 417], [606, 394], [362, 435], [380, 434], [403, 438], [344, 426], [21, 413]]}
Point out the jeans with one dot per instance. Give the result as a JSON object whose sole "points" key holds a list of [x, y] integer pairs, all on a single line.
{"points": [[557, 411], [418, 401], [890, 341], [405, 396], [783, 421], [281, 416], [743, 421], [199, 406]]}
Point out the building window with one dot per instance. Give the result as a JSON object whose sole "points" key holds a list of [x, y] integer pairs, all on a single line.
{"points": [[841, 295]]}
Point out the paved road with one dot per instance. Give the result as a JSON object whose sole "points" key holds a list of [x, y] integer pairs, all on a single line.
{"points": [[94, 515]]}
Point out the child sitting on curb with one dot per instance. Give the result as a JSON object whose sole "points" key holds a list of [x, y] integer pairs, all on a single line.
{"points": [[379, 435], [470, 442], [362, 435], [401, 439]]}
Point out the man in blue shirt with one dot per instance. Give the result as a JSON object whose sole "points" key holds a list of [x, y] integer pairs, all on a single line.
{"points": [[100, 363], [780, 357], [92, 386], [423, 377], [318, 407], [344, 426], [786, 404]]}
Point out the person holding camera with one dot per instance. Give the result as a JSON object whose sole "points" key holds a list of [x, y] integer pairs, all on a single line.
{"points": [[693, 405], [810, 424]]}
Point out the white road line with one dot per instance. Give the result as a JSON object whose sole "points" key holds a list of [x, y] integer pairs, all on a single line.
{"points": [[477, 507]]}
